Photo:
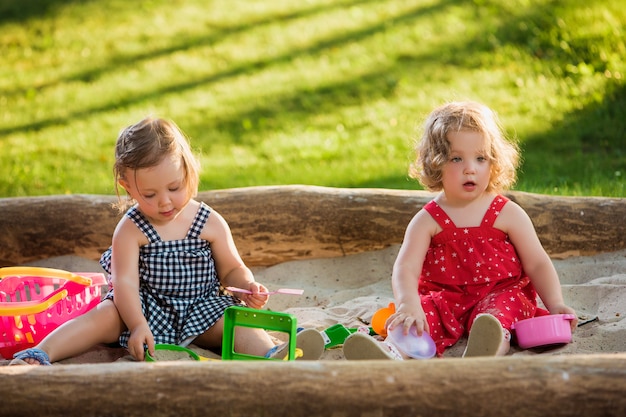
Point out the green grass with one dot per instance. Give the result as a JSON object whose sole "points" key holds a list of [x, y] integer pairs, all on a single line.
{"points": [[323, 92]]}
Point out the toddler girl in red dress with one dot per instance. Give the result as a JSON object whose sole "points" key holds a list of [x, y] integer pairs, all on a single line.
{"points": [[470, 262]]}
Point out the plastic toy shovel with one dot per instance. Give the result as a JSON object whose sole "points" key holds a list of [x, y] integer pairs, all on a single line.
{"points": [[287, 291]]}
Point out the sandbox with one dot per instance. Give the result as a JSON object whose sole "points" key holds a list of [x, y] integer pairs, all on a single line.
{"points": [[338, 245]]}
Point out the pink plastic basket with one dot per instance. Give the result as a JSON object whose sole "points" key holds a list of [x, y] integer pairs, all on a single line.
{"points": [[35, 301]]}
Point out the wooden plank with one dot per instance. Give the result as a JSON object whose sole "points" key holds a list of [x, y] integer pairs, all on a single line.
{"points": [[551, 385], [277, 224]]}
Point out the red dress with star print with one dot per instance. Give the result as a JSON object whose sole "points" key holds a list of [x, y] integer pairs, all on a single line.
{"points": [[472, 270]]}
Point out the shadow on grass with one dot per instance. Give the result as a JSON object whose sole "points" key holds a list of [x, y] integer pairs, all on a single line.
{"points": [[179, 44], [590, 143], [233, 71], [20, 11], [301, 103]]}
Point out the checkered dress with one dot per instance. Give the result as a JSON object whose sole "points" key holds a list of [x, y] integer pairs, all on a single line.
{"points": [[178, 285]]}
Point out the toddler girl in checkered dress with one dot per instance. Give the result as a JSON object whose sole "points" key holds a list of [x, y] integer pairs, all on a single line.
{"points": [[169, 256]]}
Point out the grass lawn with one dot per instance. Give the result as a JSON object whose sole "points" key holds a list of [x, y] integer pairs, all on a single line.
{"points": [[322, 92]]}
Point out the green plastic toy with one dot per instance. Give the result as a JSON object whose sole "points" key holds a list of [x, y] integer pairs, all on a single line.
{"points": [[249, 317], [337, 334]]}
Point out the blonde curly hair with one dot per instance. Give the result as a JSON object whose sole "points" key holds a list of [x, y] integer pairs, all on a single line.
{"points": [[432, 151]]}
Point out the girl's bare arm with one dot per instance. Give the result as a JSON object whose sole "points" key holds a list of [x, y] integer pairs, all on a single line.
{"points": [[231, 269], [406, 272], [125, 275], [536, 263]]}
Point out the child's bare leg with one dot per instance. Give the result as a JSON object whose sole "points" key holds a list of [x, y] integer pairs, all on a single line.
{"points": [[252, 341], [257, 342], [102, 324], [247, 340]]}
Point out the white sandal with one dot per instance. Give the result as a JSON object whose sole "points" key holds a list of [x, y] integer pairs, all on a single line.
{"points": [[359, 346], [486, 337]]}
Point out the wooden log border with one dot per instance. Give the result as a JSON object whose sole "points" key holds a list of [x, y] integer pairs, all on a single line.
{"points": [[281, 223], [553, 385]]}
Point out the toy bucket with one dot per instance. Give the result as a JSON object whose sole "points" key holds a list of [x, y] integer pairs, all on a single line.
{"points": [[543, 330]]}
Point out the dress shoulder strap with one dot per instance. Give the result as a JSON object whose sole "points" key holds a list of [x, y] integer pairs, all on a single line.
{"points": [[143, 224], [494, 210], [199, 221], [440, 216]]}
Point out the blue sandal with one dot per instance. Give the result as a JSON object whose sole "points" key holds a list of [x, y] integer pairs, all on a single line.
{"points": [[32, 353]]}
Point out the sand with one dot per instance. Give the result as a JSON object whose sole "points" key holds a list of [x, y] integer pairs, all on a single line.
{"points": [[349, 290]]}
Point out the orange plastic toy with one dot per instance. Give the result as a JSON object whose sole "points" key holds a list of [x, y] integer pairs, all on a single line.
{"points": [[380, 317]]}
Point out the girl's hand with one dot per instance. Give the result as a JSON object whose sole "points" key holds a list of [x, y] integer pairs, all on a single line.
{"points": [[407, 316], [254, 300], [563, 309], [140, 336]]}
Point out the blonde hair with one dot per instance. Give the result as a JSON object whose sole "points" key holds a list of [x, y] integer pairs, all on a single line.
{"points": [[145, 144], [433, 150]]}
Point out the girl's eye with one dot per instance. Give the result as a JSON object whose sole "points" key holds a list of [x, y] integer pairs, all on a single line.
{"points": [[148, 196], [455, 159], [173, 189], [482, 158]]}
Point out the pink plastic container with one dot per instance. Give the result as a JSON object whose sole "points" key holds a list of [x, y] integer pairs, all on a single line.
{"points": [[35, 301], [543, 330]]}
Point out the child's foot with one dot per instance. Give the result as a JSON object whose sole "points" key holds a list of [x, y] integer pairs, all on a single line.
{"points": [[310, 341], [487, 337], [32, 356], [312, 344], [359, 346]]}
